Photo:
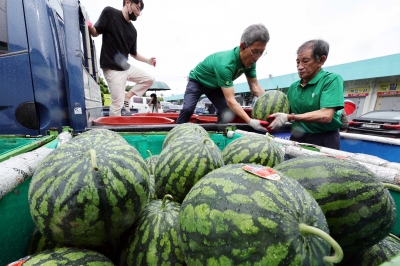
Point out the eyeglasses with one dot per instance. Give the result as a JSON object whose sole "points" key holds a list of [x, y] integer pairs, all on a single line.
{"points": [[257, 54], [138, 8]]}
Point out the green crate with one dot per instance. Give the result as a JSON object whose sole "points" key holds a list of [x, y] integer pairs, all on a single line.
{"points": [[16, 224], [396, 198], [11, 145], [8, 144], [152, 142]]}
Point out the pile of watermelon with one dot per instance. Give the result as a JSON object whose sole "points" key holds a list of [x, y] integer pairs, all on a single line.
{"points": [[96, 201]]}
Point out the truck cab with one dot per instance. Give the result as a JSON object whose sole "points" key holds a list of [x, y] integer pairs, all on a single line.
{"points": [[48, 69]]}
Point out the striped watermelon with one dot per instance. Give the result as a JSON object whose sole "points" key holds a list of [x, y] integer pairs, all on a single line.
{"points": [[88, 191], [154, 240], [185, 129], [383, 251], [393, 261], [232, 217], [270, 102], [183, 162], [151, 163], [39, 243], [152, 186], [100, 132], [65, 256], [253, 149], [359, 210]]}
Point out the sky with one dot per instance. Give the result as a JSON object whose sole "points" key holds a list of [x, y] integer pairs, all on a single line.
{"points": [[181, 33]]}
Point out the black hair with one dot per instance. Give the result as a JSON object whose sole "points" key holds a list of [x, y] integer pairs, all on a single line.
{"points": [[136, 2], [153, 94]]}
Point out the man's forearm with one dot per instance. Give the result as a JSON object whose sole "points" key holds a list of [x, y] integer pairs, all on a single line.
{"points": [[323, 115], [93, 31], [140, 58], [238, 110]]}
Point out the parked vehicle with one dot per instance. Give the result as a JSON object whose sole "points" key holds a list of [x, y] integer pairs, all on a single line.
{"points": [[106, 111], [141, 104], [384, 123], [200, 110], [48, 73], [172, 108]]}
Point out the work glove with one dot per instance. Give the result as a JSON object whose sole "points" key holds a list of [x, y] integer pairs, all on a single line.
{"points": [[89, 24], [279, 120], [258, 124], [151, 61]]}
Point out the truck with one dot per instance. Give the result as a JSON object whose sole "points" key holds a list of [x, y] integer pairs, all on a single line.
{"points": [[48, 67], [50, 92]]}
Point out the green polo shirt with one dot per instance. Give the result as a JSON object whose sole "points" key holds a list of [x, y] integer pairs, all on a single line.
{"points": [[325, 90], [221, 69]]}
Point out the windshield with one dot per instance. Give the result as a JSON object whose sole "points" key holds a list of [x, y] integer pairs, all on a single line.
{"points": [[382, 115]]}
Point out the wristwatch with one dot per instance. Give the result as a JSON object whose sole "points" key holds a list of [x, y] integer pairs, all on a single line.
{"points": [[292, 117]]}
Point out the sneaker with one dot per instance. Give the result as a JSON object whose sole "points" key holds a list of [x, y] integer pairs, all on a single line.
{"points": [[126, 105]]}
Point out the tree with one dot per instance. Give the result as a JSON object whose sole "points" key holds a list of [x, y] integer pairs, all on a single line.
{"points": [[103, 89], [128, 87]]}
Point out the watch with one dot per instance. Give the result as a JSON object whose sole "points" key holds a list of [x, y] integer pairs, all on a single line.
{"points": [[292, 117]]}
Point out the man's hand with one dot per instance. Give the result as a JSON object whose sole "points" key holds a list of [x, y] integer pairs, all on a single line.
{"points": [[280, 119], [151, 61], [89, 24], [258, 124]]}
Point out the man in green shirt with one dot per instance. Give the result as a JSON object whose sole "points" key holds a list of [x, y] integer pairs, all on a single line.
{"points": [[215, 75], [314, 99]]}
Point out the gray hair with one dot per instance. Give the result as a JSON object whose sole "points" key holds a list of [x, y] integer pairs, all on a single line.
{"points": [[319, 47], [255, 33]]}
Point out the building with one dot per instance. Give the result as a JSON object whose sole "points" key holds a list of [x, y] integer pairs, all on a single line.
{"points": [[372, 84]]}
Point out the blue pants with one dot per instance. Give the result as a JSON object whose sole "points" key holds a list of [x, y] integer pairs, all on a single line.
{"points": [[193, 92]]}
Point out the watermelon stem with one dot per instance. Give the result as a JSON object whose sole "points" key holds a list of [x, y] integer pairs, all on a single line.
{"points": [[310, 230], [207, 139], [151, 155], [391, 187], [394, 236], [164, 201], [92, 154]]}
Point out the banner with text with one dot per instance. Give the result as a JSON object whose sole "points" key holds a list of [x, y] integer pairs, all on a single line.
{"points": [[357, 92], [389, 88]]}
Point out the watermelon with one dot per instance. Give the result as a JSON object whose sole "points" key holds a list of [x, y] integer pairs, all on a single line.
{"points": [[88, 191], [383, 251], [233, 217], [65, 256], [183, 162], [100, 133], [360, 212], [270, 102], [151, 162], [154, 240], [393, 261], [185, 129], [152, 186], [254, 149], [39, 243]]}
